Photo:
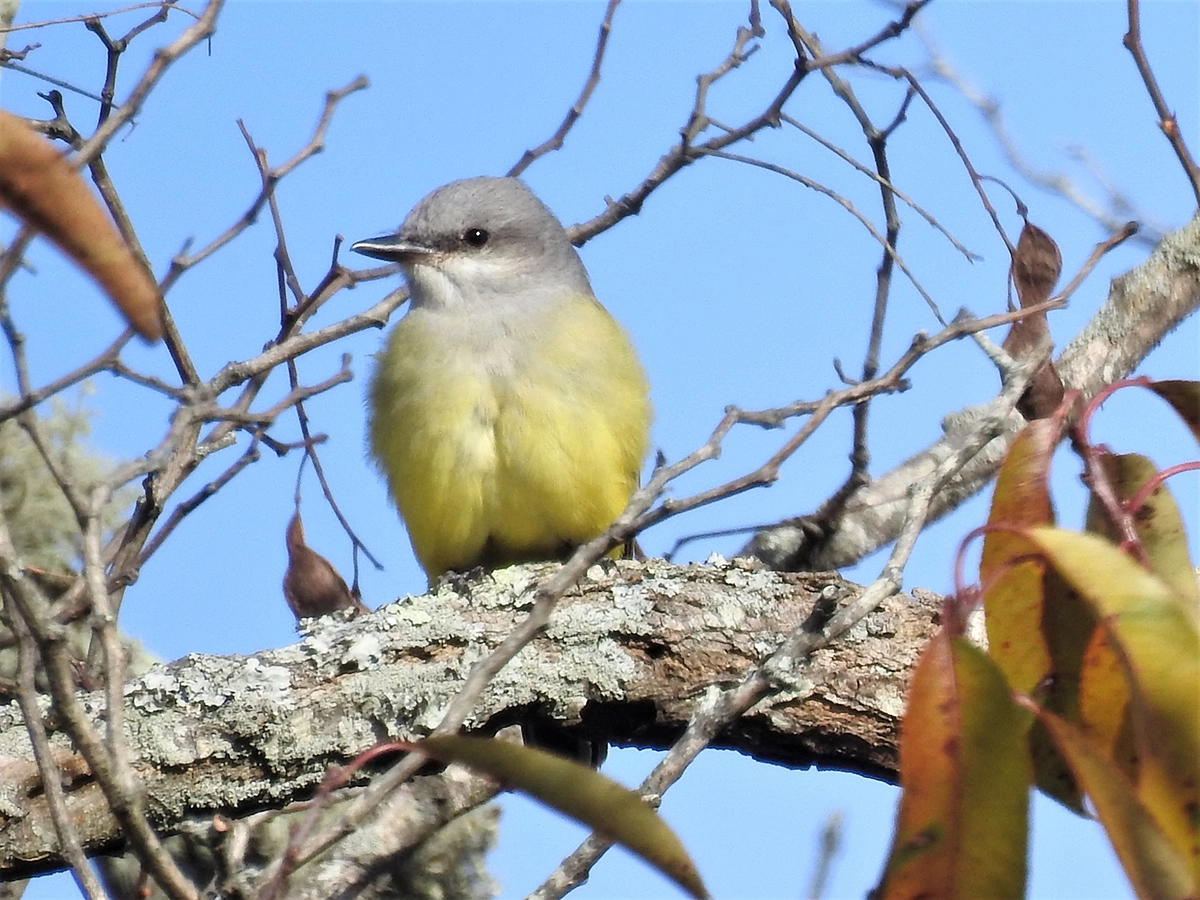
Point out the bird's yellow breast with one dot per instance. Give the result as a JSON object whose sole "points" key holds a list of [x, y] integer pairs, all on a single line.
{"points": [[501, 446]]}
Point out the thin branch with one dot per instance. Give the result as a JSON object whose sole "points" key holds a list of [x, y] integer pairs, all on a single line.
{"points": [[888, 249], [292, 320], [891, 381], [1056, 182], [555, 141], [854, 54], [48, 768], [860, 457], [830, 842], [294, 397], [117, 784], [315, 144], [699, 120], [98, 15], [49, 79], [202, 29], [912, 204], [184, 508], [685, 152], [107, 360], [1167, 122], [900, 72]]}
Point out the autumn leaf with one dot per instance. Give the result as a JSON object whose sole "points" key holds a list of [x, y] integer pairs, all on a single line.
{"points": [[1036, 265], [962, 826], [1184, 397], [1158, 523], [311, 585], [1010, 575], [1037, 628], [1154, 869], [43, 189], [1156, 634]]}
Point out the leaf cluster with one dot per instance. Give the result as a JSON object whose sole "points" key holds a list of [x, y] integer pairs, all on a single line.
{"points": [[1088, 688]]}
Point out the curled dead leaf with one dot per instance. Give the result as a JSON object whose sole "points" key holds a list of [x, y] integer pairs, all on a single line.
{"points": [[1036, 266], [311, 585]]}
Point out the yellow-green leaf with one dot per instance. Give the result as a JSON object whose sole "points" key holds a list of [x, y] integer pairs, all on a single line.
{"points": [[579, 792], [1011, 580], [1036, 627], [1155, 868], [1157, 523], [1157, 637], [962, 826], [1104, 702]]}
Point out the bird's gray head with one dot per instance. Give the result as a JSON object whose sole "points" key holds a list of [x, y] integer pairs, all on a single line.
{"points": [[480, 242]]}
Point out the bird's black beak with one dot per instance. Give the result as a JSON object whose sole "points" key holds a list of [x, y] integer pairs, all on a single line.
{"points": [[391, 247]]}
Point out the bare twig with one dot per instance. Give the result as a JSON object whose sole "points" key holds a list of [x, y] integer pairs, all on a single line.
{"points": [[124, 798], [184, 508], [52, 776], [854, 54], [191, 36], [555, 141], [860, 457], [909, 201], [291, 320], [49, 79], [685, 152], [315, 144], [888, 248], [98, 15], [1166, 119], [831, 839], [1118, 207]]}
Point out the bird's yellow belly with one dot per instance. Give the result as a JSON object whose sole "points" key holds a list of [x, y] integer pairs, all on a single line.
{"points": [[494, 463]]}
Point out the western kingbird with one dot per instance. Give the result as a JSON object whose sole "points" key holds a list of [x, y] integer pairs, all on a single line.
{"points": [[508, 411]]}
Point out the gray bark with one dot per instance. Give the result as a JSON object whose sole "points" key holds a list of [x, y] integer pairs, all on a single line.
{"points": [[627, 656]]}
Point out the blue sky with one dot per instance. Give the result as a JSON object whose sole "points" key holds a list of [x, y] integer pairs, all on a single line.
{"points": [[736, 285]]}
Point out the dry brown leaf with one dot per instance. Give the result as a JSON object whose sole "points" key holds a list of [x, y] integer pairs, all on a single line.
{"points": [[311, 585], [1036, 265], [42, 188]]}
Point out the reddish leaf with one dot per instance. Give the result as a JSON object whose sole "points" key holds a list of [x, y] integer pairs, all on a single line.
{"points": [[962, 826], [311, 585], [1036, 265], [1184, 397]]}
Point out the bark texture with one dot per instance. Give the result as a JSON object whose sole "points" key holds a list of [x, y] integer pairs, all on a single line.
{"points": [[627, 656]]}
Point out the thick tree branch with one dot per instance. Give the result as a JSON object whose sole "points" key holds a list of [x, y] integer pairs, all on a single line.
{"points": [[625, 659]]}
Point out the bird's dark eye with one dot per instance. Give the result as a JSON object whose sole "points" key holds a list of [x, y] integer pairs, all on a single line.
{"points": [[476, 237]]}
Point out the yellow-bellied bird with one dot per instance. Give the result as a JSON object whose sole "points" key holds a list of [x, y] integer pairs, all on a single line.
{"points": [[508, 411]]}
